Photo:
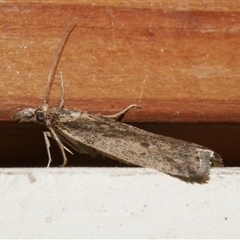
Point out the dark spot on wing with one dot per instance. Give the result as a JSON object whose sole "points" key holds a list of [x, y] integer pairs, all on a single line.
{"points": [[144, 144]]}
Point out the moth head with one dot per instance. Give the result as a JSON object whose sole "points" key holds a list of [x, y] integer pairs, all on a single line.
{"points": [[32, 115]]}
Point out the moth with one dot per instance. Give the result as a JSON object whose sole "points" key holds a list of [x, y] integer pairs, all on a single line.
{"points": [[96, 134]]}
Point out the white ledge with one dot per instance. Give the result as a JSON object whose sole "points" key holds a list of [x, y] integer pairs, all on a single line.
{"points": [[117, 203]]}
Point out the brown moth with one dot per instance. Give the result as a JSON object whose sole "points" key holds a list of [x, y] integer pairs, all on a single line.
{"points": [[96, 134]]}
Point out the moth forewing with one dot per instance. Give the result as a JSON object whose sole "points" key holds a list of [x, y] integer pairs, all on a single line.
{"points": [[94, 134]]}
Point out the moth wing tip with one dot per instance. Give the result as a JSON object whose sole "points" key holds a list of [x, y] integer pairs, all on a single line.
{"points": [[203, 167], [207, 158]]}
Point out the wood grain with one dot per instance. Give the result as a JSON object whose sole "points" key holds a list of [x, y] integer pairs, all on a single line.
{"points": [[178, 60]]}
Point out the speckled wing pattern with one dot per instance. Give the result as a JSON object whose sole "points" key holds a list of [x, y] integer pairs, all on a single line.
{"points": [[95, 134]]}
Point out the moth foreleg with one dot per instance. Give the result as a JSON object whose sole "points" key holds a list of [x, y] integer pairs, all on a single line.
{"points": [[116, 115], [46, 135], [60, 145]]}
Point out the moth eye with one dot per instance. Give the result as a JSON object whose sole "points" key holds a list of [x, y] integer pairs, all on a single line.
{"points": [[40, 116]]}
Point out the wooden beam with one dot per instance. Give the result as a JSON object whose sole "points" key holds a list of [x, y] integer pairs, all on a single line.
{"points": [[180, 62]]}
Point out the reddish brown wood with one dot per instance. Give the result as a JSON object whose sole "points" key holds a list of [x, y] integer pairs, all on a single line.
{"points": [[180, 62]]}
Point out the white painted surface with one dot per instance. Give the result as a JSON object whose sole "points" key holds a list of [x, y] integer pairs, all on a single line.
{"points": [[117, 203]]}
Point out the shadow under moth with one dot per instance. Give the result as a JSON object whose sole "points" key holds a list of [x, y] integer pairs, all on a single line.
{"points": [[96, 134]]}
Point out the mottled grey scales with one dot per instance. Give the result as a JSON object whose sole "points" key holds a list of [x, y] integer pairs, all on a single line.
{"points": [[95, 134]]}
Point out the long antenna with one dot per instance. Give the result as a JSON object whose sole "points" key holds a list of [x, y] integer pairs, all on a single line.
{"points": [[57, 55]]}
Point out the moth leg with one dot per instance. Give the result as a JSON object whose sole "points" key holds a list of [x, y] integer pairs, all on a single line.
{"points": [[46, 135], [60, 145], [116, 115]]}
